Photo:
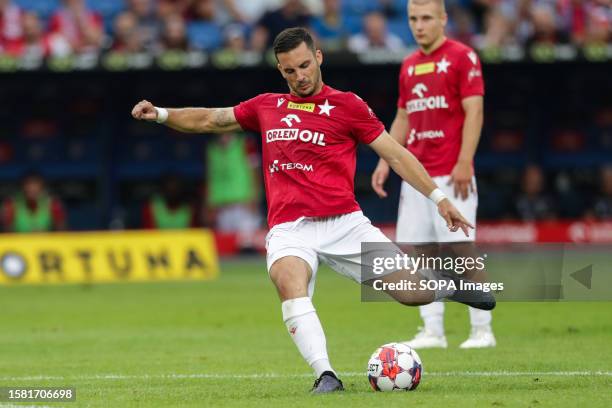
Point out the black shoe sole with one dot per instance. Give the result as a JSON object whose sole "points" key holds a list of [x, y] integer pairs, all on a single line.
{"points": [[474, 298]]}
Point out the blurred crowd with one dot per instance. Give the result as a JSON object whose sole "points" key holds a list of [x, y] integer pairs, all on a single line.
{"points": [[227, 199], [63, 27]]}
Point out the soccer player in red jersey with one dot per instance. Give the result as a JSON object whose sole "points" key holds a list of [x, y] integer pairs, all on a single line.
{"points": [[310, 137], [439, 119]]}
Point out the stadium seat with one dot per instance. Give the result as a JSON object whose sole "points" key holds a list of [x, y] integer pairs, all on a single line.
{"points": [[82, 149], [400, 7], [186, 149], [107, 8], [139, 149], [205, 36], [358, 7], [353, 23], [48, 150], [44, 8], [400, 28]]}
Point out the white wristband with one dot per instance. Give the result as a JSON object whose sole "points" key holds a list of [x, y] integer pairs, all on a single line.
{"points": [[436, 196], [162, 115]]}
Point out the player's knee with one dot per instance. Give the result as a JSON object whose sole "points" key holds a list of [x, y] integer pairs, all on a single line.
{"points": [[290, 281], [289, 288]]}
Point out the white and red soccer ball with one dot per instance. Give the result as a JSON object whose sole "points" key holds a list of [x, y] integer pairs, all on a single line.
{"points": [[394, 367]]}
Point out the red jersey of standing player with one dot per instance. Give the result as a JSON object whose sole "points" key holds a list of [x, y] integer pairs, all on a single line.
{"points": [[431, 88]]}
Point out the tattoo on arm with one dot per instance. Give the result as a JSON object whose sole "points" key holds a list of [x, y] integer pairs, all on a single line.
{"points": [[223, 120]]}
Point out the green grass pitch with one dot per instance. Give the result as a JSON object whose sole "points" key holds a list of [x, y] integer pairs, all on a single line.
{"points": [[222, 343]]}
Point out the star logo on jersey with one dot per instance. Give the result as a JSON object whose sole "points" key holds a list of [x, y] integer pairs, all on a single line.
{"points": [[280, 102], [290, 118], [326, 108], [472, 56], [419, 90], [410, 70], [443, 65]]}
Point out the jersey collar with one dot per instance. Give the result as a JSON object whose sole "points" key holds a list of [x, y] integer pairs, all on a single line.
{"points": [[436, 51], [324, 92]]}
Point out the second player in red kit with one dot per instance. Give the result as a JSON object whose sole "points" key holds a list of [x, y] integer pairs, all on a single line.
{"points": [[431, 90], [439, 120]]}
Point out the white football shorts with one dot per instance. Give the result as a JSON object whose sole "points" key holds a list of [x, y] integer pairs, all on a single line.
{"points": [[335, 240], [418, 220]]}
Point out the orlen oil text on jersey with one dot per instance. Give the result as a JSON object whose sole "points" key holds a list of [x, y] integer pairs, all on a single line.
{"points": [[303, 135]]}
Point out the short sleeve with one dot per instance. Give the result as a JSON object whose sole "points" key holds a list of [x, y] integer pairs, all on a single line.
{"points": [[365, 126], [470, 75], [246, 113]]}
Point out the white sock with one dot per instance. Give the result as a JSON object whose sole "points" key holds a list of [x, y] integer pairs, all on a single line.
{"points": [[321, 366], [305, 329], [433, 317], [480, 318]]}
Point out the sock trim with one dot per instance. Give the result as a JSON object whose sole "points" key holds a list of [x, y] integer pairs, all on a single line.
{"points": [[296, 307]]}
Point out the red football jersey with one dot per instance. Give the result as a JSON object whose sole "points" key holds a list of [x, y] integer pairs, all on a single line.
{"points": [[309, 150], [431, 88]]}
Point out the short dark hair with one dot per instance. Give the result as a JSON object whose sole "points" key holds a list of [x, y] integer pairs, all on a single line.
{"points": [[291, 38]]}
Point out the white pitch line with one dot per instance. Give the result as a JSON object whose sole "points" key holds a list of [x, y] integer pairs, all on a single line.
{"points": [[278, 375]]}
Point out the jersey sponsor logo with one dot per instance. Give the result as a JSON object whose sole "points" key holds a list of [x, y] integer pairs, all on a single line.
{"points": [[425, 103], [303, 135], [422, 69], [419, 90], [443, 65], [474, 72], [279, 102], [275, 167], [290, 118], [326, 108], [307, 107], [427, 134], [473, 57]]}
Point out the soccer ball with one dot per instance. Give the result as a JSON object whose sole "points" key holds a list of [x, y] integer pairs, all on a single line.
{"points": [[394, 367]]}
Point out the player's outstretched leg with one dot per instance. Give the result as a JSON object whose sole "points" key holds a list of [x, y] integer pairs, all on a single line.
{"points": [[476, 298], [291, 275]]}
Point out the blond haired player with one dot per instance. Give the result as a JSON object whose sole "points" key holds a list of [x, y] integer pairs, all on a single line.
{"points": [[439, 119]]}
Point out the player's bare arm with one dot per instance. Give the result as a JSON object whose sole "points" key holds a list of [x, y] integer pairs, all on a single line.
{"points": [[189, 120], [399, 130], [462, 173], [413, 172]]}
